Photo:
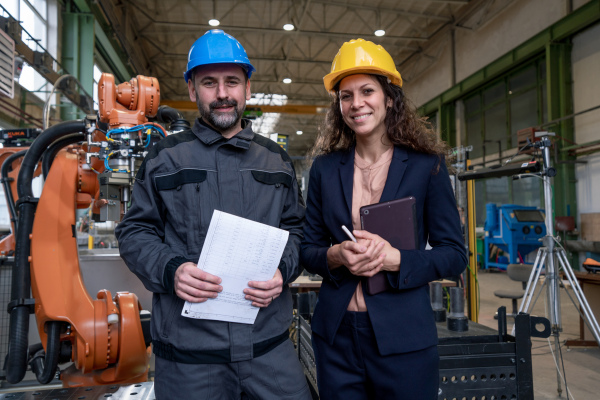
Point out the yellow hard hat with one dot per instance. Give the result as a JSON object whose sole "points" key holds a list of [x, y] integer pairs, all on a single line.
{"points": [[361, 56]]}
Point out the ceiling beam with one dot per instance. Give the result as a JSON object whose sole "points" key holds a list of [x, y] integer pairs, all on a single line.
{"points": [[106, 10], [297, 31], [383, 10], [186, 28]]}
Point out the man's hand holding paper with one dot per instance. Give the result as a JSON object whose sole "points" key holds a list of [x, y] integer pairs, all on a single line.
{"points": [[262, 293], [195, 285]]}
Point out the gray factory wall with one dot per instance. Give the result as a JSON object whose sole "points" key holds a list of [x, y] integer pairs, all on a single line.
{"points": [[585, 57], [586, 93], [475, 49]]}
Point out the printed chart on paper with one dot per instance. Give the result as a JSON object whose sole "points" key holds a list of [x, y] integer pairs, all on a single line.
{"points": [[237, 250]]}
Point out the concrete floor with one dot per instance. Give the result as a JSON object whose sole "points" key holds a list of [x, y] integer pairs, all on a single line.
{"points": [[582, 364]]}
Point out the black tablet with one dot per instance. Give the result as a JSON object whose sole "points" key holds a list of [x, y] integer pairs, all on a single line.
{"points": [[396, 222]]}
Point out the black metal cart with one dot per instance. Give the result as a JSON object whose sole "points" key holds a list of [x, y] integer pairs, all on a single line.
{"points": [[480, 363]]}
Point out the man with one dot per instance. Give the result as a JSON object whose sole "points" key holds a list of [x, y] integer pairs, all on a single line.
{"points": [[219, 164]]}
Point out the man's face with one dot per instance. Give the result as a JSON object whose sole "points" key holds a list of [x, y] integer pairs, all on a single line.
{"points": [[220, 91]]}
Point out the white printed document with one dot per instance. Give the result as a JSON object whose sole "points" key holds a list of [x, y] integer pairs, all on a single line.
{"points": [[237, 250]]}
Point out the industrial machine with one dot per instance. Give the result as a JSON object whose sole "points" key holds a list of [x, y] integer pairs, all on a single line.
{"points": [[85, 162], [514, 229]]}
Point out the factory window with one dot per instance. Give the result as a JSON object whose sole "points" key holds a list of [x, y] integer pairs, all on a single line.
{"points": [[36, 16], [496, 112], [493, 115], [97, 75], [33, 17], [495, 139]]}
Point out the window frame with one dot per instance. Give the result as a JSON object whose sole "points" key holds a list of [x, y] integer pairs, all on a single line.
{"points": [[475, 108]]}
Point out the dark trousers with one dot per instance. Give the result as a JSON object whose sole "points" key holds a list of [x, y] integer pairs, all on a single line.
{"points": [[276, 375], [353, 369]]}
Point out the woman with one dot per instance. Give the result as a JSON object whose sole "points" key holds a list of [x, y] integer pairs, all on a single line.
{"points": [[375, 149]]}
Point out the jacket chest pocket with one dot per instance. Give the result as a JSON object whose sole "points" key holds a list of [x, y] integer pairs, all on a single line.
{"points": [[183, 194], [271, 189]]}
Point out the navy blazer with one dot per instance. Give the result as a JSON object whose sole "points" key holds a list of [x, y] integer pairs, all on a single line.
{"points": [[402, 317]]}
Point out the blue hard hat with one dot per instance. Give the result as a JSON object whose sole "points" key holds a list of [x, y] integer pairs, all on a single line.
{"points": [[217, 47]]}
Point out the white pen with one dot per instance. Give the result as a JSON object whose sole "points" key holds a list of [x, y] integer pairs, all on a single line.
{"points": [[348, 233]]}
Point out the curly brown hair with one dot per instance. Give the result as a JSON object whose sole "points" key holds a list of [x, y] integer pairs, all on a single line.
{"points": [[403, 126]]}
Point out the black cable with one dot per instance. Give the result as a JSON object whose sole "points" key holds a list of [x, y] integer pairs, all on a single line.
{"points": [[44, 364], [173, 117], [20, 304], [55, 147], [528, 145]]}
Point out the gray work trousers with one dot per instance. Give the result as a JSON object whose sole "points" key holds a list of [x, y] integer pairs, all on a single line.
{"points": [[275, 375]]}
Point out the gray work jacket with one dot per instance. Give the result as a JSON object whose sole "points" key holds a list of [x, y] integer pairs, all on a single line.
{"points": [[182, 180]]}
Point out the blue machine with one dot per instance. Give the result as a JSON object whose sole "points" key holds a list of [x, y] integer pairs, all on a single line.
{"points": [[514, 229]]}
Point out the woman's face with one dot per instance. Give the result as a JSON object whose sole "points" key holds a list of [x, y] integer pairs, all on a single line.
{"points": [[363, 105]]}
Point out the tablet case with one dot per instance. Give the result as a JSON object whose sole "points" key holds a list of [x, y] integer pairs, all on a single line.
{"points": [[396, 222]]}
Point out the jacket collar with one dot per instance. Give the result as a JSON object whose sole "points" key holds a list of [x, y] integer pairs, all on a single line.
{"points": [[395, 174], [392, 183], [209, 136]]}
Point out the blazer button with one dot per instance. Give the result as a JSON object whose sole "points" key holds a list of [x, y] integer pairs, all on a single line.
{"points": [[406, 281]]}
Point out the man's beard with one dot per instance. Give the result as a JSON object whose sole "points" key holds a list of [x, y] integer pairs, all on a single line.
{"points": [[221, 121]]}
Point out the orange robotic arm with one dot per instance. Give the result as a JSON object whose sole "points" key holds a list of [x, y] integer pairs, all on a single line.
{"points": [[105, 335]]}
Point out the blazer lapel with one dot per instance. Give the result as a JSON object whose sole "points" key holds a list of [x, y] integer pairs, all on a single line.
{"points": [[395, 174], [347, 176]]}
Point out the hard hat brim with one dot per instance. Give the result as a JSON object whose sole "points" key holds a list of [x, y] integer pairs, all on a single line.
{"points": [[331, 79], [247, 67]]}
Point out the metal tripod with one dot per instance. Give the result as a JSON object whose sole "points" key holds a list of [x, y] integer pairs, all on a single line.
{"points": [[553, 257]]}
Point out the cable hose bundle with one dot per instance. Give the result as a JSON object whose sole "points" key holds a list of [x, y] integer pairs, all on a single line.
{"points": [[19, 307], [44, 364]]}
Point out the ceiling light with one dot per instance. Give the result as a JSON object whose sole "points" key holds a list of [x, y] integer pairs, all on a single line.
{"points": [[379, 32], [287, 80], [298, 132], [288, 27], [214, 22]]}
